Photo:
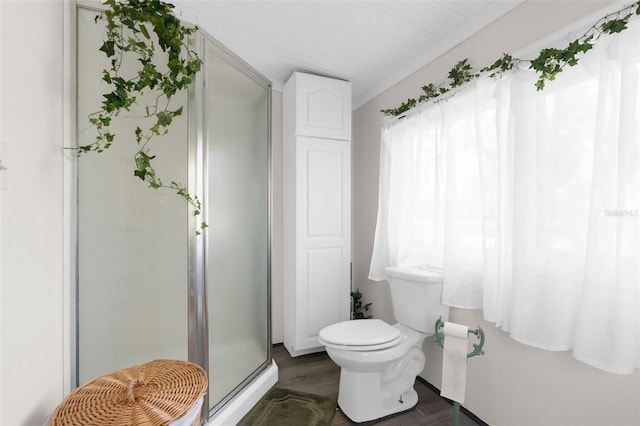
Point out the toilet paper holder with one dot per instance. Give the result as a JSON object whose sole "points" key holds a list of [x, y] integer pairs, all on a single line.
{"points": [[477, 347], [477, 350]]}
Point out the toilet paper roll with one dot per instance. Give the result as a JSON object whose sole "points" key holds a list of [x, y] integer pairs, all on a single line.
{"points": [[454, 361]]}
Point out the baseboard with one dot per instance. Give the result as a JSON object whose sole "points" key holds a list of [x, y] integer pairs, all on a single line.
{"points": [[466, 412]]}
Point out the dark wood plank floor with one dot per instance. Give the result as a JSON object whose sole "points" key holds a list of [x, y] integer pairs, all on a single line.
{"points": [[316, 373]]}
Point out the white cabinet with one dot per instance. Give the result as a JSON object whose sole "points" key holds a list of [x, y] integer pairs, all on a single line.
{"points": [[317, 208]]}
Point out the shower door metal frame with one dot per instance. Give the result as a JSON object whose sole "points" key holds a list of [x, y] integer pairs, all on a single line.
{"points": [[198, 314]]}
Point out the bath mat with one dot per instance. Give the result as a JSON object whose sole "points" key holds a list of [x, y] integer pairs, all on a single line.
{"points": [[288, 407]]}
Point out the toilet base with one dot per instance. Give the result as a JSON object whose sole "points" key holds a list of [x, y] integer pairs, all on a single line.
{"points": [[361, 399], [392, 409], [381, 419]]}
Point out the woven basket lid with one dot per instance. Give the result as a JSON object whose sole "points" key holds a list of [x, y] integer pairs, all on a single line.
{"points": [[154, 393]]}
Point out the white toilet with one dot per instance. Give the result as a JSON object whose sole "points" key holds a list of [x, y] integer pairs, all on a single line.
{"points": [[379, 362]]}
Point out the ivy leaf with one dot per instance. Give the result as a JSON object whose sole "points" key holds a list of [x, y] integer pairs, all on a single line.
{"points": [[586, 45], [108, 47], [144, 31], [164, 118], [140, 173], [153, 181], [106, 76], [114, 100], [505, 63], [614, 26], [461, 73], [430, 91]]}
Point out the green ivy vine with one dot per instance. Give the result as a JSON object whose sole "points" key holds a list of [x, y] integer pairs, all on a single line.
{"points": [[130, 26], [548, 64]]}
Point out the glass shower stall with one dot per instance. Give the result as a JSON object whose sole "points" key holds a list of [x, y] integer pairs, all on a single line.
{"points": [[147, 286]]}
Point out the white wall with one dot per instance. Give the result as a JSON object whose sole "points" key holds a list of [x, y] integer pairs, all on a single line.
{"points": [[513, 384], [33, 274]]}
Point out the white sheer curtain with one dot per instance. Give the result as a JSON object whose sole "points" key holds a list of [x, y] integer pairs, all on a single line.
{"points": [[530, 202]]}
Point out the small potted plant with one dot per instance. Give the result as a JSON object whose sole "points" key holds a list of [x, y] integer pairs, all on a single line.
{"points": [[358, 310]]}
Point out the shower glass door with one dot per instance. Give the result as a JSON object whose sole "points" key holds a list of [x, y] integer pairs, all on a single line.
{"points": [[132, 241], [237, 145]]}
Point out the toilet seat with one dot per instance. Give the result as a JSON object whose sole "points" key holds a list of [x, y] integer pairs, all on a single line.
{"points": [[361, 335]]}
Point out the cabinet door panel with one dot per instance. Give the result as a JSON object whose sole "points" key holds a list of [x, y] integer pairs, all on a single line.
{"points": [[323, 236], [324, 193], [324, 284], [324, 107]]}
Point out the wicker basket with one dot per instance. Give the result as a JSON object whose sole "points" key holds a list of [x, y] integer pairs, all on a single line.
{"points": [[154, 393]]}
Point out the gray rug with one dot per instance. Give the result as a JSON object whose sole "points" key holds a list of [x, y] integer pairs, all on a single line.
{"points": [[281, 407]]}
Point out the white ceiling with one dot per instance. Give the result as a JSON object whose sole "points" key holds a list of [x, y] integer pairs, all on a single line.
{"points": [[372, 44]]}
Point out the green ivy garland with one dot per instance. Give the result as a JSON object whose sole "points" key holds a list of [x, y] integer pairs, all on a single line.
{"points": [[549, 63], [129, 26]]}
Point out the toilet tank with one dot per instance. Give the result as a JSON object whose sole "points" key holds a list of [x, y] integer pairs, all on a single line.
{"points": [[416, 295]]}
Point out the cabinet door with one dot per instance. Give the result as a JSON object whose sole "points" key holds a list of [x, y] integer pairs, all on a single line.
{"points": [[323, 236], [323, 107]]}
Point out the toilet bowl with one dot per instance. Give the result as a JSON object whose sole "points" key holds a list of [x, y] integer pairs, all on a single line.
{"points": [[379, 362]]}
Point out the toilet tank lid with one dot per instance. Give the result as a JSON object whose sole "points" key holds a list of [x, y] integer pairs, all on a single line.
{"points": [[362, 332], [417, 273]]}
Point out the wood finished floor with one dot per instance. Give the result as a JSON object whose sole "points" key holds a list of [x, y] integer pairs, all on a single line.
{"points": [[316, 373]]}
